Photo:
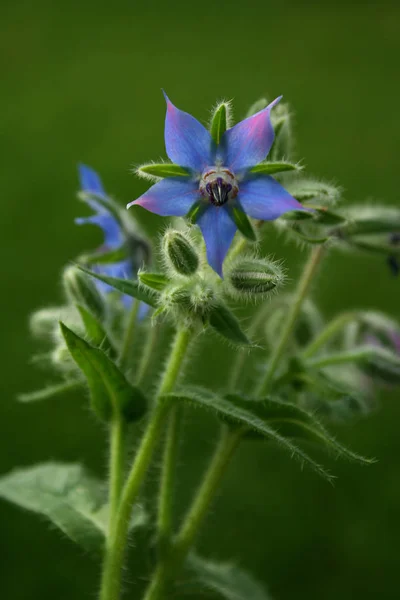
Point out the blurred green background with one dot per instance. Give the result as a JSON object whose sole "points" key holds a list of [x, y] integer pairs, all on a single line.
{"points": [[81, 82]]}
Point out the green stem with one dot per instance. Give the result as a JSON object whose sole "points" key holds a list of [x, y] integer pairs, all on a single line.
{"points": [[130, 333], [117, 466], [166, 498], [168, 569], [300, 295], [147, 354], [341, 358], [328, 332], [115, 551]]}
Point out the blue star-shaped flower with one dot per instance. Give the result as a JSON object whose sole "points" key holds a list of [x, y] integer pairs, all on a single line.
{"points": [[114, 236], [219, 177]]}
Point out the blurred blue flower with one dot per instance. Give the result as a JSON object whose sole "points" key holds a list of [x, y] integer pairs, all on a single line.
{"points": [[114, 235], [219, 176]]}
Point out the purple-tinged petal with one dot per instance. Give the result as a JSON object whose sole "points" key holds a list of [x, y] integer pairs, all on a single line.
{"points": [[169, 197], [187, 142], [248, 143], [90, 181], [262, 197], [395, 336], [218, 231], [113, 234]]}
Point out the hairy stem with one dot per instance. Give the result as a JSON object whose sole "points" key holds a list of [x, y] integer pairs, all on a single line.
{"points": [[115, 551], [328, 332], [169, 568], [147, 354], [166, 497], [299, 297], [117, 467]]}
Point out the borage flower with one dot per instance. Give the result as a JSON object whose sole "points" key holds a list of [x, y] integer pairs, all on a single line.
{"points": [[114, 235], [219, 177]]}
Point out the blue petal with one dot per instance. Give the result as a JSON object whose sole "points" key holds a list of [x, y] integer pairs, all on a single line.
{"points": [[171, 197], [218, 231], [248, 143], [262, 197], [90, 181], [113, 234], [188, 143]]}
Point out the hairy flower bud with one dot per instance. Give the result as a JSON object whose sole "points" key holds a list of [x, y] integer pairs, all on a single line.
{"points": [[80, 289], [252, 277], [180, 253]]}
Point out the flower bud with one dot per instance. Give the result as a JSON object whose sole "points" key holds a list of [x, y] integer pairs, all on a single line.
{"points": [[253, 277], [193, 301], [180, 254], [80, 289]]}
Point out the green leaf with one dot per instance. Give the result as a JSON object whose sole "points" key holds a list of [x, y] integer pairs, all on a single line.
{"points": [[196, 210], [225, 323], [95, 330], [219, 122], [99, 258], [130, 287], [109, 390], [225, 579], [291, 421], [163, 170], [328, 217], [65, 494], [50, 391], [269, 168], [68, 496], [243, 223], [256, 107], [155, 281], [248, 417]]}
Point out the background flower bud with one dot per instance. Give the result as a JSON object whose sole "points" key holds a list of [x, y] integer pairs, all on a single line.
{"points": [[252, 277], [180, 253]]}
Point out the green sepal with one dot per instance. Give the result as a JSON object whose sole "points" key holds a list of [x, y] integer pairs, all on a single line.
{"points": [[224, 322], [110, 392], [155, 281], [227, 580], [130, 287], [242, 222], [298, 215], [375, 247], [328, 217], [269, 168], [69, 497], [306, 189], [50, 391], [219, 122], [198, 208], [100, 258], [246, 418], [307, 238], [163, 170], [256, 107], [95, 331]]}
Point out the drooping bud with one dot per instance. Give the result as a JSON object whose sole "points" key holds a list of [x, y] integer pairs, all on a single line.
{"points": [[80, 289], [44, 322], [180, 253], [253, 277], [313, 193]]}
